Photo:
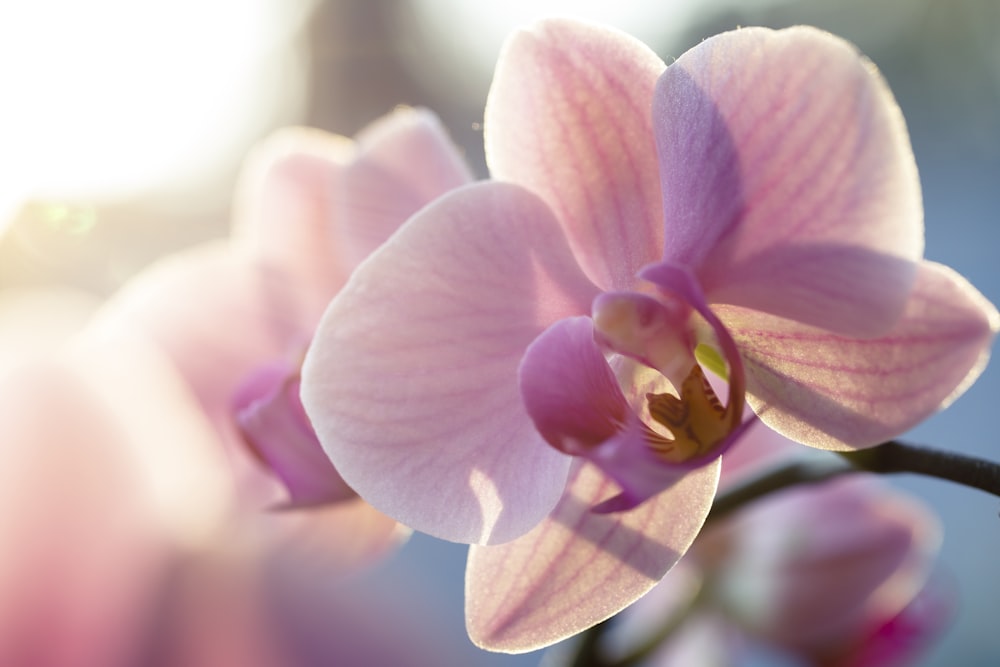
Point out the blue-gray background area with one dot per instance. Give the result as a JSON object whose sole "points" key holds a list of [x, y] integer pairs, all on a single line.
{"points": [[942, 61]]}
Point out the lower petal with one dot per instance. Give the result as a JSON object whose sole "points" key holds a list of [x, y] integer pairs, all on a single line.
{"points": [[577, 568], [839, 393]]}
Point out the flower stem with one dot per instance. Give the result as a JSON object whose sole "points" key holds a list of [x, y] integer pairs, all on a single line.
{"points": [[895, 457], [781, 477]]}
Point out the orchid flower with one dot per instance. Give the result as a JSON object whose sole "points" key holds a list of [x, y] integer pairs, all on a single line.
{"points": [[835, 573], [118, 549], [531, 348], [235, 315]]}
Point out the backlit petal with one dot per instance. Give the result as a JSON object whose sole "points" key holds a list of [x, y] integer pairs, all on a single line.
{"points": [[789, 184], [411, 382], [578, 567], [839, 393], [568, 117], [404, 160]]}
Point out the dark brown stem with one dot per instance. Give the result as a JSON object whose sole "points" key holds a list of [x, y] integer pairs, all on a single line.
{"points": [[896, 457]]}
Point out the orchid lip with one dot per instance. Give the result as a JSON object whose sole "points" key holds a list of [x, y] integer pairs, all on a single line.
{"points": [[277, 432]]}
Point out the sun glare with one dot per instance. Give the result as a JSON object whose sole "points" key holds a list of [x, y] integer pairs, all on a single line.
{"points": [[107, 97]]}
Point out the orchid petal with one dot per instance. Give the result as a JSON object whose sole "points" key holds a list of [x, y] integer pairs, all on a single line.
{"points": [[199, 488], [284, 205], [577, 567], [569, 390], [411, 381], [568, 117], [83, 549], [838, 393], [217, 316], [271, 418], [403, 162], [811, 585], [574, 398], [789, 184]]}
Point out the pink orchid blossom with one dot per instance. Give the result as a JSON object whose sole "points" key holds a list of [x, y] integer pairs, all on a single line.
{"points": [[530, 348], [118, 549], [836, 574], [235, 315]]}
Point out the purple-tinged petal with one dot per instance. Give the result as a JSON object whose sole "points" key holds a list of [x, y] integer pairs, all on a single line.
{"points": [[573, 396], [805, 584], [568, 117], [839, 393], [900, 640], [789, 184], [654, 331], [275, 427], [411, 380], [202, 490], [678, 281], [403, 162], [578, 568], [569, 390]]}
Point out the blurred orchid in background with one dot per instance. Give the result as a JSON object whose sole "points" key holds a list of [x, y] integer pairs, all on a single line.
{"points": [[236, 316], [836, 574], [529, 348], [153, 536], [120, 549]]}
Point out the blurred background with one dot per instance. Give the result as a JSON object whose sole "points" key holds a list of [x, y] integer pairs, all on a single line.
{"points": [[123, 125]]}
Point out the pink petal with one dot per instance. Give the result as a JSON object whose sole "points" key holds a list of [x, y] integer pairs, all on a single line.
{"points": [[275, 427], [578, 568], [789, 184], [403, 162], [411, 382], [313, 205], [82, 550], [809, 585], [202, 491], [574, 398], [569, 390], [285, 205], [568, 117], [218, 316], [839, 393], [902, 639]]}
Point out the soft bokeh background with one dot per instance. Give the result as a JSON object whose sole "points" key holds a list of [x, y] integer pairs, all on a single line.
{"points": [[123, 124]]}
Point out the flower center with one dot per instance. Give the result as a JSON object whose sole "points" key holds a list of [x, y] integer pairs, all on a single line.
{"points": [[696, 419], [660, 333]]}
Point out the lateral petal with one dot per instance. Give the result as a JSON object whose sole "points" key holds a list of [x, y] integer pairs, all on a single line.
{"points": [[568, 117], [578, 567], [839, 393], [789, 184], [411, 380]]}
